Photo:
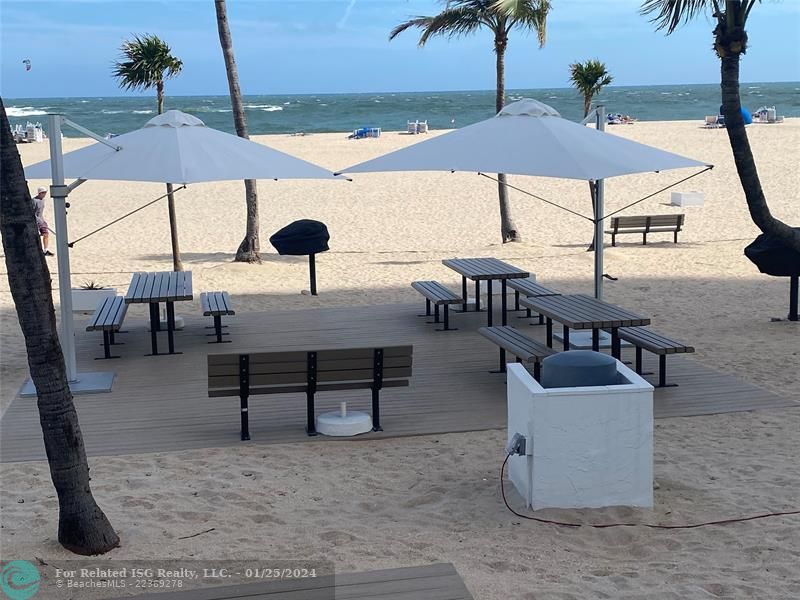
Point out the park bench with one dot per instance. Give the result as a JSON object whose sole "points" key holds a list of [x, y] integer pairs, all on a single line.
{"points": [[308, 371], [645, 225], [647, 339], [524, 348], [108, 317], [217, 305], [530, 289], [438, 295]]}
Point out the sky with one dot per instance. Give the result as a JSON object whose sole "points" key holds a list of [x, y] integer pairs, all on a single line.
{"points": [[332, 46]]}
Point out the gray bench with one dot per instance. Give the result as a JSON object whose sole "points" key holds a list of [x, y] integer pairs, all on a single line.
{"points": [[108, 318], [217, 305], [645, 225], [308, 371], [524, 348], [438, 295], [530, 289], [647, 339]]}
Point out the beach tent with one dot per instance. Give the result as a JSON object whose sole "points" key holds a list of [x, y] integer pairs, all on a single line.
{"points": [[530, 138], [171, 148]]}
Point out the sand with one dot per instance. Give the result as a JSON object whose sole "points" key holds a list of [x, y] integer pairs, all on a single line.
{"points": [[418, 500]]}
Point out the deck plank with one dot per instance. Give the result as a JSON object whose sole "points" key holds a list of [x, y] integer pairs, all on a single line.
{"points": [[161, 403]]}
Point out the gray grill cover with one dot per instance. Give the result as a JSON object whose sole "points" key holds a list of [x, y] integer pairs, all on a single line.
{"points": [[576, 368]]}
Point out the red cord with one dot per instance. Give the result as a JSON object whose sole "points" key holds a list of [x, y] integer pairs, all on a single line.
{"points": [[649, 525]]}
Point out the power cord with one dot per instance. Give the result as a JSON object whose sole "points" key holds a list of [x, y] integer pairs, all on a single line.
{"points": [[648, 525]]}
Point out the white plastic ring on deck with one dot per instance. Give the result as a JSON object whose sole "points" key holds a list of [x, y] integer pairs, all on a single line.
{"points": [[344, 423]]}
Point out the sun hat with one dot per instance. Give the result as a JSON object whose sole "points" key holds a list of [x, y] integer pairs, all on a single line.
{"points": [[41, 189]]}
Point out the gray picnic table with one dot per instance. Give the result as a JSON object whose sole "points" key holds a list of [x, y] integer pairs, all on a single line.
{"points": [[153, 288], [579, 311], [484, 269]]}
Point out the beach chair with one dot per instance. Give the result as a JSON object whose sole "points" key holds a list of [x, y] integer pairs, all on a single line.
{"points": [[412, 127], [712, 122], [422, 127]]}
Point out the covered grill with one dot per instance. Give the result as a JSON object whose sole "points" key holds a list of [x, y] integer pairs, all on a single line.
{"points": [[301, 238], [775, 258]]}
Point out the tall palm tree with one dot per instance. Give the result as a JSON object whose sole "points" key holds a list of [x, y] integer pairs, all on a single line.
{"points": [[249, 249], [730, 43], [82, 526], [589, 78], [463, 17], [145, 62]]}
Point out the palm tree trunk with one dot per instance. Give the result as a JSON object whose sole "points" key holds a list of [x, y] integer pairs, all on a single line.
{"points": [[587, 105], [508, 230], [177, 264], [249, 249], [743, 157], [82, 526]]}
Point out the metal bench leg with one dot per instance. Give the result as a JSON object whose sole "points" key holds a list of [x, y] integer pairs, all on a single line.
{"points": [[596, 340], [565, 333], [436, 313], [675, 239], [504, 301], [477, 295], [446, 314], [218, 331], [644, 239], [502, 368], [616, 347], [106, 346], [311, 427], [516, 300], [638, 360], [489, 302], [245, 418], [154, 325], [662, 372], [427, 307], [171, 327], [541, 319], [464, 293], [537, 370], [549, 334], [613, 239], [376, 409]]}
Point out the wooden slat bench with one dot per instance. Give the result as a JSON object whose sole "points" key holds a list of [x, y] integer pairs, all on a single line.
{"points": [[530, 289], [217, 305], [308, 371], [645, 225], [437, 294], [108, 318], [647, 339], [513, 341]]}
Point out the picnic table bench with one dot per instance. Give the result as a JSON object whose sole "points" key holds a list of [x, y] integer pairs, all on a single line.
{"points": [[644, 225], [661, 345], [309, 371], [436, 293], [530, 289], [108, 318], [514, 341], [154, 288], [217, 305]]}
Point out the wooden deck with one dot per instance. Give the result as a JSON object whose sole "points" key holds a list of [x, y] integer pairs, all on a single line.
{"points": [[432, 582], [160, 403]]}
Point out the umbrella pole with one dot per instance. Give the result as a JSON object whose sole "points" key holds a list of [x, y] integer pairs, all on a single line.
{"points": [[793, 297], [312, 271], [600, 112]]}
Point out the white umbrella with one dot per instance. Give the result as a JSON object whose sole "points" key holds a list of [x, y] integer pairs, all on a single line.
{"points": [[530, 138], [171, 148], [178, 148]]}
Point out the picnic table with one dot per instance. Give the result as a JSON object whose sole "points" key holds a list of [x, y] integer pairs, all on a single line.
{"points": [[484, 269], [153, 288], [579, 311]]}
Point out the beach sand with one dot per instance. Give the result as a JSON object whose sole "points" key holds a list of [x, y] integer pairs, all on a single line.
{"points": [[412, 501]]}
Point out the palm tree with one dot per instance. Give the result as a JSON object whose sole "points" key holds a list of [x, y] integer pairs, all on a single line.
{"points": [[463, 17], [249, 249], [589, 78], [82, 526], [145, 62], [730, 43]]}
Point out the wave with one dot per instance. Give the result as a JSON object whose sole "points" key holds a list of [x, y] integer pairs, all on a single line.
{"points": [[112, 112], [142, 112], [24, 111], [264, 107]]}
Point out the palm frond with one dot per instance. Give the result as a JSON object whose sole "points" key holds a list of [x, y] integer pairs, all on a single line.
{"points": [[670, 14], [589, 77], [451, 22], [527, 14], [145, 60]]}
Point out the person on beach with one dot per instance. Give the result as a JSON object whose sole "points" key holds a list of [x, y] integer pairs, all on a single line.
{"points": [[38, 210]]}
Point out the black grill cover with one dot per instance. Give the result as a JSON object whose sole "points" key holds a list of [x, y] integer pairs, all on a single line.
{"points": [[301, 237], [772, 257]]}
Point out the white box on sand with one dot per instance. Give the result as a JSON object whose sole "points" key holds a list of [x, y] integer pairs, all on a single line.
{"points": [[687, 199], [591, 446]]}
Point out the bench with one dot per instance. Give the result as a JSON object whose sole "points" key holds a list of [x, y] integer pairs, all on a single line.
{"points": [[308, 371], [513, 341], [647, 339], [530, 289], [645, 225], [217, 305], [438, 295], [108, 317]]}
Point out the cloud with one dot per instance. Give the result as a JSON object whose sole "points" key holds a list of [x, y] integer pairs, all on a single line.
{"points": [[343, 21]]}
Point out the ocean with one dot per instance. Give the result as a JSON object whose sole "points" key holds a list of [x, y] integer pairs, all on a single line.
{"points": [[390, 111]]}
